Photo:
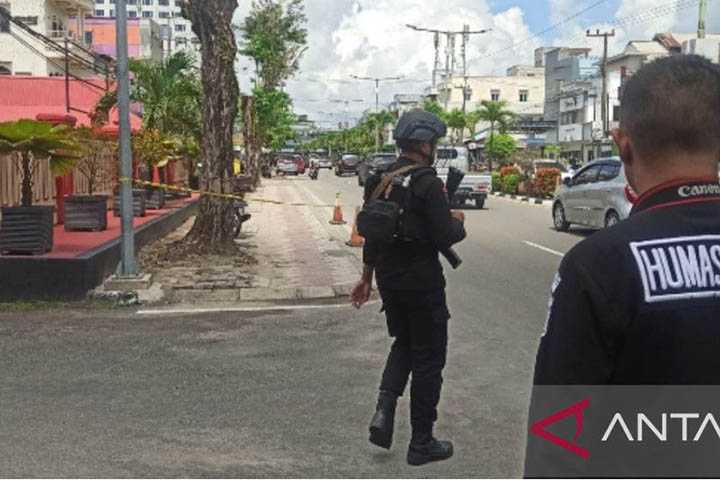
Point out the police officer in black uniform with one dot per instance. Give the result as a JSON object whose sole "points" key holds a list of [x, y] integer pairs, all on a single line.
{"points": [[639, 303], [412, 286]]}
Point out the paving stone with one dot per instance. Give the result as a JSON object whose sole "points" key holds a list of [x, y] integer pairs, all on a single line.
{"points": [[309, 293]]}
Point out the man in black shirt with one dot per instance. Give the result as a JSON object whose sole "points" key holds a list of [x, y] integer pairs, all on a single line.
{"points": [[639, 303], [412, 286]]}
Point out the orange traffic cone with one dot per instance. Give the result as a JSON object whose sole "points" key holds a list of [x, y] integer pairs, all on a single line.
{"points": [[337, 218], [355, 239]]}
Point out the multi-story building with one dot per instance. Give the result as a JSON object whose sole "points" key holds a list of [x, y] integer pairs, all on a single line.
{"points": [[32, 44], [522, 89], [144, 37], [175, 30], [563, 68], [404, 102]]}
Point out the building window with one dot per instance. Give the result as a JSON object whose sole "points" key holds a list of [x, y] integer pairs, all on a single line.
{"points": [[88, 38], [180, 27], [147, 2], [132, 14], [112, 13], [164, 14], [524, 94], [495, 95], [99, 13], [4, 23], [132, 2], [147, 14], [164, 3], [99, 2], [5, 68]]}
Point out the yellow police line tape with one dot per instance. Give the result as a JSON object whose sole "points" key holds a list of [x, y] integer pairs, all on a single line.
{"points": [[219, 195]]}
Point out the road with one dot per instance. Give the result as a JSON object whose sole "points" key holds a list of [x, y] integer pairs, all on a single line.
{"points": [[279, 393]]}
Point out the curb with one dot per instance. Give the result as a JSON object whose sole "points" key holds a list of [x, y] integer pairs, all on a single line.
{"points": [[523, 199]]}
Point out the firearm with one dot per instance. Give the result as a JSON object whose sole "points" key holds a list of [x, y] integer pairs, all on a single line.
{"points": [[454, 178]]}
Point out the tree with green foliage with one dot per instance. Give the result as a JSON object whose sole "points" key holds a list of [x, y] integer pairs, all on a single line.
{"points": [[35, 141], [274, 35], [457, 122], [433, 106], [499, 117], [274, 117], [500, 147]]}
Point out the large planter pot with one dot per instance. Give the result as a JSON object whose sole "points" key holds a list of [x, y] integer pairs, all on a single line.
{"points": [[26, 230], [155, 198], [139, 206], [86, 212]]}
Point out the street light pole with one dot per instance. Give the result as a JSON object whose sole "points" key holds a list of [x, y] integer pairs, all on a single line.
{"points": [[128, 266], [377, 81]]}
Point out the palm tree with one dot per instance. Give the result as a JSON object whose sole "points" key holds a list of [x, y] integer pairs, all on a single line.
{"points": [[35, 140], [169, 92], [495, 113]]}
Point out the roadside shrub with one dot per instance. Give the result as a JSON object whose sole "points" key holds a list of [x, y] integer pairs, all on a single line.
{"points": [[496, 182], [546, 181], [509, 170], [510, 183]]}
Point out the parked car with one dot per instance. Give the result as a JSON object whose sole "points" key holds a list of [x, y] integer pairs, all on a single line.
{"points": [[377, 162], [595, 197], [301, 163], [347, 164], [325, 162], [286, 166], [475, 187]]}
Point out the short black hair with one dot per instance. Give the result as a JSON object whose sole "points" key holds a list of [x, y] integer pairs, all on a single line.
{"points": [[673, 104]]}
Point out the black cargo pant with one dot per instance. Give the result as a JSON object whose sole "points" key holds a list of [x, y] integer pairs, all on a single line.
{"points": [[418, 320]]}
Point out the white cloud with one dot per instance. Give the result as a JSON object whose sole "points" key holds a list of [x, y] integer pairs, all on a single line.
{"points": [[368, 38]]}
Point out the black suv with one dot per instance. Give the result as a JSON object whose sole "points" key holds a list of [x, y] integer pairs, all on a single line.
{"points": [[347, 164], [376, 163]]}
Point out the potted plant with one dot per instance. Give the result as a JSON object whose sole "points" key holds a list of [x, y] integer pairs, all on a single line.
{"points": [[28, 229], [88, 212], [153, 150]]}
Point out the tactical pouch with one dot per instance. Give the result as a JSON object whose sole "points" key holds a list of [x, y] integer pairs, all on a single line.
{"points": [[379, 219]]}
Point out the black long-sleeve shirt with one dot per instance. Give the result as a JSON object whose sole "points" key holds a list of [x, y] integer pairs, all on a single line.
{"points": [[415, 265]]}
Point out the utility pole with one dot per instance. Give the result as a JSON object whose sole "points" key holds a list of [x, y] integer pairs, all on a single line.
{"points": [[128, 266], [449, 49], [605, 103], [377, 81], [465, 38], [701, 19], [67, 74]]}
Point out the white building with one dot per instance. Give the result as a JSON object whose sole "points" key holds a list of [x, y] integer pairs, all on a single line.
{"points": [[523, 90], [176, 31], [580, 128], [22, 53]]}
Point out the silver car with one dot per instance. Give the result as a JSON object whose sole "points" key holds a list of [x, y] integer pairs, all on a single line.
{"points": [[594, 197]]}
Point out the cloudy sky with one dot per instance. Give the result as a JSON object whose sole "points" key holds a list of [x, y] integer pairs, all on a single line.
{"points": [[368, 38]]}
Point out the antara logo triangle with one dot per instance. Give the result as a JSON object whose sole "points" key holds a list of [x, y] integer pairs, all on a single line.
{"points": [[539, 428]]}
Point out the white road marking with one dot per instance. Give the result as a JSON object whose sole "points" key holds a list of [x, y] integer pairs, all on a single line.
{"points": [[544, 249], [270, 308]]}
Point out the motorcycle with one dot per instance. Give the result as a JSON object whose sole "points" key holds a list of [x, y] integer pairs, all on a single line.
{"points": [[314, 172]]}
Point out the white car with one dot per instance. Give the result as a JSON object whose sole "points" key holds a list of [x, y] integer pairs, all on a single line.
{"points": [[595, 197], [285, 166]]}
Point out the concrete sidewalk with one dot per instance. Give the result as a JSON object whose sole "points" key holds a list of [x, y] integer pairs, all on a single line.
{"points": [[298, 254]]}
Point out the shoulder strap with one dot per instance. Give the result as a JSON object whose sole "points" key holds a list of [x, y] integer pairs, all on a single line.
{"points": [[388, 178]]}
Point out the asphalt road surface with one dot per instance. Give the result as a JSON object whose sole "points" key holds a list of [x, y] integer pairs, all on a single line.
{"points": [[285, 392]]}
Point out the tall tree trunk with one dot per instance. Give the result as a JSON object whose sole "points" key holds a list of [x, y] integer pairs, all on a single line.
{"points": [[492, 136], [211, 22], [27, 180]]}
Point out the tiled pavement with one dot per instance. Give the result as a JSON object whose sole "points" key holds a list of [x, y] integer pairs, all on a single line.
{"points": [[299, 255]]}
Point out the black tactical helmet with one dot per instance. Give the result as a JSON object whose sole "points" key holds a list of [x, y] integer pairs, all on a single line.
{"points": [[420, 126]]}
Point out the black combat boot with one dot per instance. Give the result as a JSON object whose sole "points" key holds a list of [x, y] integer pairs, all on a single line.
{"points": [[422, 451], [383, 422]]}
